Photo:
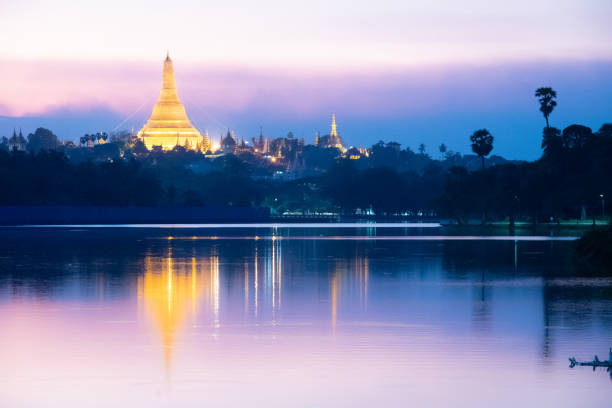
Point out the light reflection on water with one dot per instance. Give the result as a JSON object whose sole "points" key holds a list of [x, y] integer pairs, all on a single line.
{"points": [[383, 238], [137, 318], [250, 226]]}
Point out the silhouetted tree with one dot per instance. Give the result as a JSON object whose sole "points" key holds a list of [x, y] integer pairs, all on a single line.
{"points": [[551, 141], [179, 149], [546, 96], [422, 149], [576, 136], [139, 147], [457, 199], [605, 130], [100, 136], [42, 139], [482, 144]]}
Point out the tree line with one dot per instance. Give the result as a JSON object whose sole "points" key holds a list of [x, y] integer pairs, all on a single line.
{"points": [[570, 180]]}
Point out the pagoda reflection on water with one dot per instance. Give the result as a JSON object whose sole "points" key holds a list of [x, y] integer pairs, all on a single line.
{"points": [[178, 292]]}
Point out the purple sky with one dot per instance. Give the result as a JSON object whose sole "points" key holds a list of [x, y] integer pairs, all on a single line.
{"points": [[417, 72]]}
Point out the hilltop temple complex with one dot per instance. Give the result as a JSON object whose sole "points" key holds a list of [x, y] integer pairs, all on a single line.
{"points": [[169, 125], [332, 140]]}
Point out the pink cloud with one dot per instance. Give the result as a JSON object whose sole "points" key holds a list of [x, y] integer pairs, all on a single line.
{"points": [[40, 87]]}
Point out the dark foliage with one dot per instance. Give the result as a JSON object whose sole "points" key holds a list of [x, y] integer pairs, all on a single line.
{"points": [[482, 143], [42, 139], [566, 182], [593, 254], [546, 96], [49, 178]]}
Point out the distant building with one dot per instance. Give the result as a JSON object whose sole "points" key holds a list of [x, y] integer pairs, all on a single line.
{"points": [[17, 142], [205, 144], [353, 153], [228, 144], [266, 148], [243, 146], [259, 144], [332, 140], [394, 146], [90, 140]]}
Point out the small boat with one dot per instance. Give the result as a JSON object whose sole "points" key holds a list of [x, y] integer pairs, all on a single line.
{"points": [[595, 363]]}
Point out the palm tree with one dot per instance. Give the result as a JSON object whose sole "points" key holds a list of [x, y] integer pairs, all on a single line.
{"points": [[547, 97], [442, 149], [482, 144]]}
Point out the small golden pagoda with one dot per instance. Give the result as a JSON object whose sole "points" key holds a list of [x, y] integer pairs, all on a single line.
{"points": [[334, 139], [169, 125]]}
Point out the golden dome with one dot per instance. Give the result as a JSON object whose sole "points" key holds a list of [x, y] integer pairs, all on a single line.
{"points": [[169, 125]]}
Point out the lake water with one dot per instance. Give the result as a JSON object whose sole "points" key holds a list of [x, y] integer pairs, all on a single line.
{"points": [[316, 316]]}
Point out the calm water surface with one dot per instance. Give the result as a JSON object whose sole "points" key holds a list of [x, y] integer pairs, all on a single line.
{"points": [[277, 317]]}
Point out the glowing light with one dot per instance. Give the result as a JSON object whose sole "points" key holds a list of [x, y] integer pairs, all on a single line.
{"points": [[214, 278], [334, 296], [169, 125], [256, 282], [168, 288], [246, 288]]}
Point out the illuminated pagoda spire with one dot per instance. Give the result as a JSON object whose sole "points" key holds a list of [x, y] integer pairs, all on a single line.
{"points": [[334, 139], [334, 132], [169, 125], [206, 145]]}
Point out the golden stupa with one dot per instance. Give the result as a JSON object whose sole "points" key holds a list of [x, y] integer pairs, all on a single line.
{"points": [[169, 125]]}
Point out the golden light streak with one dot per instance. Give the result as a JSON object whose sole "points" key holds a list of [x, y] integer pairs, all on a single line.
{"points": [[194, 283], [366, 273], [246, 288], [273, 261], [256, 282], [168, 289], [334, 299], [280, 275], [215, 288], [169, 284]]}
